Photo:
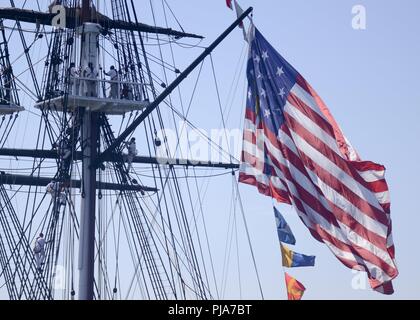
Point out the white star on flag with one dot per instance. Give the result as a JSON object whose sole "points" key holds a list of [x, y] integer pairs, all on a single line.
{"points": [[249, 94], [265, 55], [267, 113], [257, 59], [280, 71], [263, 93], [282, 92]]}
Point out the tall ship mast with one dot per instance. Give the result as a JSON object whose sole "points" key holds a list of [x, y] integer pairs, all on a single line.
{"points": [[83, 192]]}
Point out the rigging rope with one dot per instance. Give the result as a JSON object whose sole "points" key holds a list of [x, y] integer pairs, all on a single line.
{"points": [[237, 185]]}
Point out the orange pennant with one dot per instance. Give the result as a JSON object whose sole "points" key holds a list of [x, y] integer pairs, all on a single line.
{"points": [[295, 289]]}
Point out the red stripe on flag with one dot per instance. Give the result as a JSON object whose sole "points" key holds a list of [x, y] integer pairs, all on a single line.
{"points": [[250, 115], [317, 206], [315, 117], [326, 112], [368, 166], [356, 251], [270, 190], [329, 179]]}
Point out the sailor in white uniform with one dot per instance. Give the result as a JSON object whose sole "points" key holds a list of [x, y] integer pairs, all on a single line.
{"points": [[39, 251], [55, 190], [113, 75], [132, 152], [91, 80], [73, 74]]}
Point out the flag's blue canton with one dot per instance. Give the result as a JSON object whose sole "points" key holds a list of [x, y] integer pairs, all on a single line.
{"points": [[270, 79]]}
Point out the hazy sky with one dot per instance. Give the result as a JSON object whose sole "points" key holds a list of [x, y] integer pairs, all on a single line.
{"points": [[369, 80]]}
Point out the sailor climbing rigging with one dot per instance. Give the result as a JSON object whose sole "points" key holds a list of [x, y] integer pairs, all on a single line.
{"points": [[132, 152], [39, 251], [65, 149], [65, 152], [56, 190]]}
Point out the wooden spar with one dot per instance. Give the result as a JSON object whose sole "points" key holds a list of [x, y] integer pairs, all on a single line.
{"points": [[77, 156], [22, 180], [73, 21]]}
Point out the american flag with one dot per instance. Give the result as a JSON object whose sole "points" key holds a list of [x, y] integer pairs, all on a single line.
{"points": [[295, 152]]}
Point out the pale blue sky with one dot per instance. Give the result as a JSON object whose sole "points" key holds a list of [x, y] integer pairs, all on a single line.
{"points": [[369, 80]]}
